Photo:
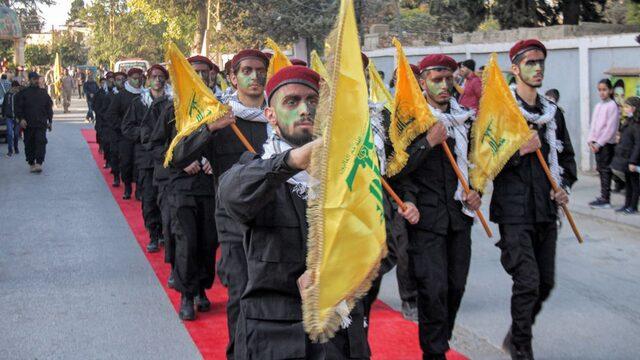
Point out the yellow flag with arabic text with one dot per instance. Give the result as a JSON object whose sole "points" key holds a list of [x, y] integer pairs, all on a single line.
{"points": [[278, 60], [378, 92], [193, 101], [411, 115], [347, 237], [499, 130]]}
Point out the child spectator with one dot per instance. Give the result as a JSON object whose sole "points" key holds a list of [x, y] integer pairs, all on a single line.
{"points": [[627, 155]]}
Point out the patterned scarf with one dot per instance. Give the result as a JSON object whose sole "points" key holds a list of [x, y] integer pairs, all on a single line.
{"points": [[548, 118], [131, 89], [244, 112], [147, 99], [379, 133], [457, 128]]}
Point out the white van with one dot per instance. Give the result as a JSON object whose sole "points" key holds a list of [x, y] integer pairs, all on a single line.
{"points": [[126, 64]]}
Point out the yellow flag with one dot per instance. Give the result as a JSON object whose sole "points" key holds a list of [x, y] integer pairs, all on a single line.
{"points": [[346, 215], [317, 65], [222, 81], [193, 101], [411, 115], [57, 76], [278, 60], [499, 130], [378, 92]]}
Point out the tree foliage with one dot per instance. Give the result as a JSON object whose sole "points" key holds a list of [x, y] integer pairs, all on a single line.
{"points": [[28, 12], [75, 11], [37, 55]]}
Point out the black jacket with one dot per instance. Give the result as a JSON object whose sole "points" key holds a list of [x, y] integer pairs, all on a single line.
{"points": [[181, 182], [90, 88], [35, 106], [628, 149], [9, 104], [273, 221], [138, 125], [117, 109], [521, 192]]}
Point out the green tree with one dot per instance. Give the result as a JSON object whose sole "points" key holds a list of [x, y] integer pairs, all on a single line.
{"points": [[6, 49], [38, 55], [76, 11], [29, 13], [71, 48]]}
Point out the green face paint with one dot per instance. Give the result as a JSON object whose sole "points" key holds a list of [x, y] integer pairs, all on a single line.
{"points": [[529, 71], [288, 115], [245, 80], [436, 88]]}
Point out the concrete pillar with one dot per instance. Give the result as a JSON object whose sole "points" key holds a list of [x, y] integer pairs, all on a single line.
{"points": [[585, 111], [300, 50], [18, 51]]}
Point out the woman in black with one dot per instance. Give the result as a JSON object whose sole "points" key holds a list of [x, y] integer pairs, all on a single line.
{"points": [[627, 156]]}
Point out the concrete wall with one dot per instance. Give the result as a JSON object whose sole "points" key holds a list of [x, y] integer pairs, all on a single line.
{"points": [[574, 67]]}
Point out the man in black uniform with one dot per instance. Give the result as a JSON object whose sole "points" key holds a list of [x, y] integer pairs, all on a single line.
{"points": [[137, 125], [34, 108], [192, 211], [258, 193], [248, 76], [111, 132], [97, 125], [117, 111], [440, 242], [523, 202]]}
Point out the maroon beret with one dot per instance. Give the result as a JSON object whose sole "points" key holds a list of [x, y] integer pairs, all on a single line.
{"points": [[268, 55], [204, 60], [523, 46], [294, 74], [295, 61], [134, 70], [249, 54], [119, 73], [435, 61], [415, 69], [159, 67], [109, 74], [365, 60]]}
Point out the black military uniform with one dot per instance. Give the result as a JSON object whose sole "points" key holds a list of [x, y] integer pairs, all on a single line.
{"points": [[527, 216], [273, 220], [439, 244], [122, 164], [34, 105], [193, 225], [100, 105], [137, 126], [226, 150]]}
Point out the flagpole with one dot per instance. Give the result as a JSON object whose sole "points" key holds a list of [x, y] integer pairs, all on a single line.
{"points": [[393, 194], [556, 188], [465, 185], [242, 138]]}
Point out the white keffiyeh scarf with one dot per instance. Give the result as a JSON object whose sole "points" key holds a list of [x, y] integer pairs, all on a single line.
{"points": [[302, 182], [131, 89], [244, 112], [379, 133], [147, 99], [457, 128], [548, 118]]}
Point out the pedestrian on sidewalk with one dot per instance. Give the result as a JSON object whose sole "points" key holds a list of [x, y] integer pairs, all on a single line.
{"points": [[90, 88], [627, 155], [9, 113], [67, 89], [80, 79], [602, 140], [34, 108]]}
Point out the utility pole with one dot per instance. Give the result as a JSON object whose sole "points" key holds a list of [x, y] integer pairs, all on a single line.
{"points": [[112, 28], [205, 45], [218, 29]]}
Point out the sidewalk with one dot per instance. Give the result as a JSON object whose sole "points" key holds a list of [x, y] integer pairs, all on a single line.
{"points": [[586, 190]]}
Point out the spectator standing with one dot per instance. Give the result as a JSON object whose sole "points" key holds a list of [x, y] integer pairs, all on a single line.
{"points": [[80, 79], [5, 86], [472, 91], [602, 140], [67, 89], [9, 113], [627, 156]]}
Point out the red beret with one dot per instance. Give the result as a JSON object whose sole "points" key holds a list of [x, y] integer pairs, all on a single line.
{"points": [[204, 60], [523, 46], [294, 74], [365, 60], [248, 54], [437, 61], [119, 73], [415, 69], [134, 70], [295, 61], [109, 74], [159, 67]]}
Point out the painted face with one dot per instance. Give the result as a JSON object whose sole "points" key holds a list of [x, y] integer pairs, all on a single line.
{"points": [[120, 81], [134, 80], [604, 91], [295, 108], [111, 81], [251, 77], [438, 85], [202, 70], [531, 68], [618, 95], [157, 80]]}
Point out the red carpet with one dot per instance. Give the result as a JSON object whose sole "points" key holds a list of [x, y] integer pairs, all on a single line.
{"points": [[390, 336]]}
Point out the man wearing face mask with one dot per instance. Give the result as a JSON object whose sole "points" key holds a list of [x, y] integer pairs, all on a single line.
{"points": [[192, 209], [248, 75], [137, 126], [440, 242], [266, 196], [117, 111], [523, 202]]}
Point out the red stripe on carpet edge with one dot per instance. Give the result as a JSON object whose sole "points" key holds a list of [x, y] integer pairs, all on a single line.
{"points": [[390, 335]]}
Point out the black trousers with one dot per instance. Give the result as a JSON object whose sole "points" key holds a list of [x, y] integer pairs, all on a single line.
{"points": [[126, 149], [603, 162], [440, 264], [164, 204], [35, 144], [232, 270], [400, 242], [196, 240], [114, 152], [633, 189], [529, 256], [150, 210]]}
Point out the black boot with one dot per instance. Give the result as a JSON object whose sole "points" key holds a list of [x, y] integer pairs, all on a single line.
{"points": [[138, 193], [153, 245], [116, 181], [170, 281], [522, 353], [187, 313], [127, 191], [507, 345], [202, 303]]}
